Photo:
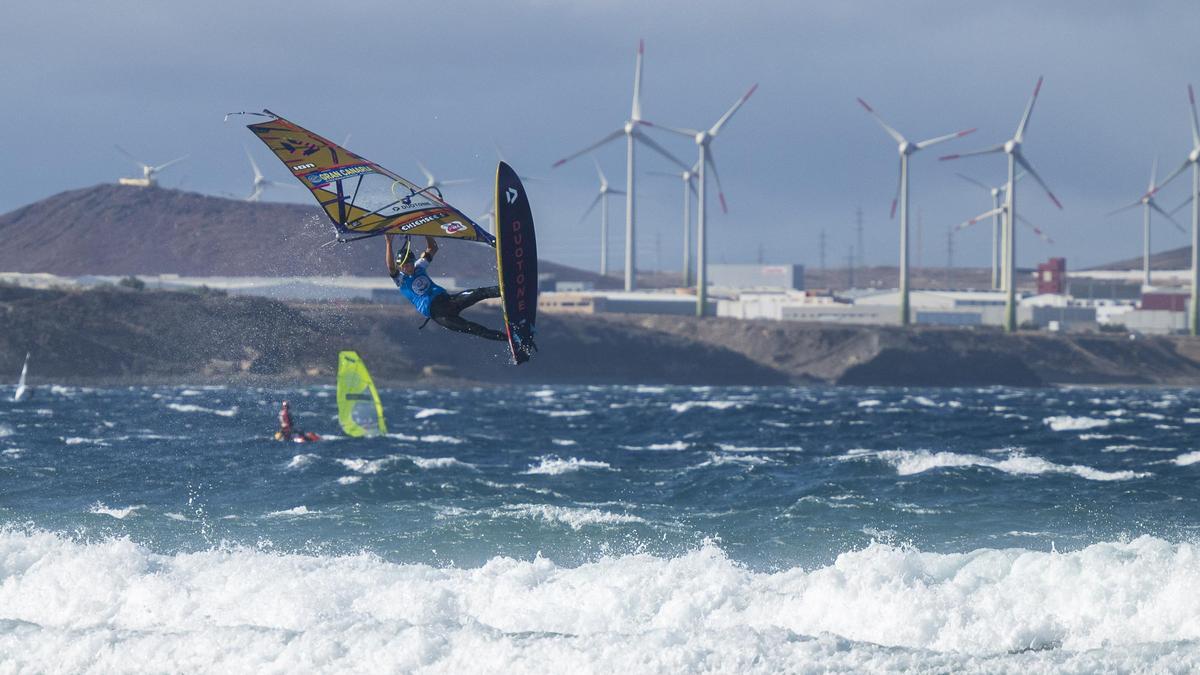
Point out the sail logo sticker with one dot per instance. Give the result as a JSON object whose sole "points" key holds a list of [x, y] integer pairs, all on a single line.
{"points": [[421, 221], [454, 227], [512, 195], [339, 173], [301, 167]]}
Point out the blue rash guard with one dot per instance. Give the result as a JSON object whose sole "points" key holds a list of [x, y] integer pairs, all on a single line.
{"points": [[419, 288]]}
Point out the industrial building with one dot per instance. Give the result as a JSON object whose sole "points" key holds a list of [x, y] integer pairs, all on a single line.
{"points": [[749, 277]]}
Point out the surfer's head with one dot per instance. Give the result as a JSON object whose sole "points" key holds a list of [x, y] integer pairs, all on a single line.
{"points": [[285, 404]]}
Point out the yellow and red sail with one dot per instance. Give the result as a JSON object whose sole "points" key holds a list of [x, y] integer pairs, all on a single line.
{"points": [[359, 196]]}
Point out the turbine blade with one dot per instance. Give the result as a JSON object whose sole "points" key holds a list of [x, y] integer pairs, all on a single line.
{"points": [[659, 149], [1028, 111], [591, 207], [615, 192], [896, 197], [1175, 174], [1153, 177], [940, 139], [1154, 205], [972, 181], [1178, 208], [1036, 230], [716, 128], [682, 131], [971, 221], [1195, 123], [1125, 208], [896, 135], [1029, 167], [637, 83], [712, 164], [257, 174], [973, 153], [133, 159], [429, 179], [616, 134], [170, 163], [599, 171], [662, 173]]}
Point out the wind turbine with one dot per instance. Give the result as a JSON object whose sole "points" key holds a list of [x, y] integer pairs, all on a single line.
{"points": [[689, 189], [1193, 159], [706, 161], [261, 182], [148, 171], [1146, 201], [999, 212], [906, 149], [996, 214], [1012, 148], [632, 133], [602, 200], [432, 183]]}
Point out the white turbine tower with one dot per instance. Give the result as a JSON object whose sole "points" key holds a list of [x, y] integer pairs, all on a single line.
{"points": [[689, 190], [148, 171], [632, 133], [706, 161], [1193, 159], [1012, 148], [261, 182], [602, 200], [1146, 201], [997, 215], [906, 149]]}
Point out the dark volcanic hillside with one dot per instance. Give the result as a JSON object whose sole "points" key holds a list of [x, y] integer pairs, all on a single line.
{"points": [[119, 230]]}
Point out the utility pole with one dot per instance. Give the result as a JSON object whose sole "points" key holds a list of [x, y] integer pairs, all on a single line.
{"points": [[850, 269], [760, 254], [821, 249], [862, 251], [949, 255]]}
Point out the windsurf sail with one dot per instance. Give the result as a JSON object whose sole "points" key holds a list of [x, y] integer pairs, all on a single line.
{"points": [[21, 388], [516, 262], [359, 409], [361, 197]]}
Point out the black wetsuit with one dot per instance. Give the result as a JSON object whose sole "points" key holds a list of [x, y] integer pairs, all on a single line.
{"points": [[444, 309]]}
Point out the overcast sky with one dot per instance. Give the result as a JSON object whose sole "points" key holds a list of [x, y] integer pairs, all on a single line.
{"points": [[442, 81]]}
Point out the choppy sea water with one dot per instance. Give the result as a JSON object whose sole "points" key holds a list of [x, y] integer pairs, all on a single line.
{"points": [[603, 529]]}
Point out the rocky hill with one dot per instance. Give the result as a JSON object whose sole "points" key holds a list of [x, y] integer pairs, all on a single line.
{"points": [[114, 335], [121, 230]]}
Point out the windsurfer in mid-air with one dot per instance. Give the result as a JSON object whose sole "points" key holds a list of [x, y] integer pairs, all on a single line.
{"points": [[433, 301]]}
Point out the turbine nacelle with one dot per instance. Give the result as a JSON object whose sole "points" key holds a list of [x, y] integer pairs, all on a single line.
{"points": [[1012, 146], [630, 126]]}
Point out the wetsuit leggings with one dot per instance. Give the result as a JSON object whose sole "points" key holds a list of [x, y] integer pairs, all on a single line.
{"points": [[444, 310]]}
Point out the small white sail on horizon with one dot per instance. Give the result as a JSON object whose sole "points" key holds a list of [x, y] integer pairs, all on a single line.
{"points": [[22, 390]]}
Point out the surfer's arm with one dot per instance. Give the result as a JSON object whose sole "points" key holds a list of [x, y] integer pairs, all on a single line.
{"points": [[391, 257], [431, 249]]}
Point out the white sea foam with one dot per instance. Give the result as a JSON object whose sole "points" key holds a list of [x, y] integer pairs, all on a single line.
{"points": [[720, 459], [430, 412], [909, 462], [552, 465], [1068, 423], [120, 513], [565, 413], [439, 438], [5, 431], [14, 453], [573, 517], [177, 516], [440, 463], [301, 461], [301, 510], [714, 405], [189, 408], [563, 441], [100, 606], [369, 466], [729, 447], [80, 440], [870, 403], [1188, 458], [349, 480]]}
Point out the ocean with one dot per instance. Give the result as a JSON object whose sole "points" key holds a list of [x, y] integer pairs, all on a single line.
{"points": [[613, 529]]}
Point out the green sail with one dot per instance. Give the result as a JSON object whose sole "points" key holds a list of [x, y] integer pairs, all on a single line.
{"points": [[359, 409]]}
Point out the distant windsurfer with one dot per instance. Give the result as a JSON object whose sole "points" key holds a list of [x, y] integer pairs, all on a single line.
{"points": [[432, 301], [285, 423]]}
